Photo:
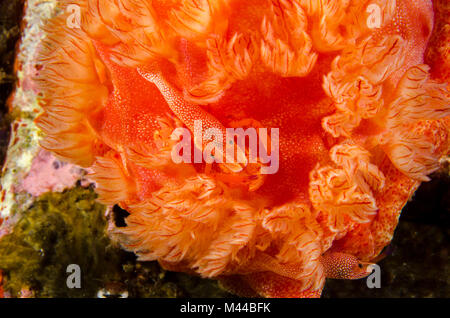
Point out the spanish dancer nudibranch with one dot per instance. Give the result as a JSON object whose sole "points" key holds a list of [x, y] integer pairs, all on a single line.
{"points": [[354, 114]]}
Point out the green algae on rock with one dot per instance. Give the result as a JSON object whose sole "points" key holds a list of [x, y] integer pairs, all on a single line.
{"points": [[59, 229]]}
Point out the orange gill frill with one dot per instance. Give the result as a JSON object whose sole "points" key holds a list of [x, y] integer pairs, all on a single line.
{"points": [[361, 124]]}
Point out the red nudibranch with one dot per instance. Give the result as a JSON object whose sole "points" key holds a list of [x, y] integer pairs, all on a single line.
{"points": [[361, 123]]}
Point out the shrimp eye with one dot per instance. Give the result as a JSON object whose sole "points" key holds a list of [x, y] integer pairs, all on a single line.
{"points": [[360, 265]]}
